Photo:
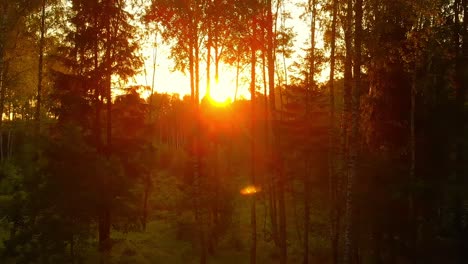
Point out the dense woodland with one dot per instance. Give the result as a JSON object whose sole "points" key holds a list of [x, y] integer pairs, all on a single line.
{"points": [[368, 166]]}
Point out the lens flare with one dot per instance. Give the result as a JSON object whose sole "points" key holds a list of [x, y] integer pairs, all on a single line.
{"points": [[250, 190]]}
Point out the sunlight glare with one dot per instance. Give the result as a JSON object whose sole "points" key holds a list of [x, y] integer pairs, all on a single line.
{"points": [[220, 94], [249, 190]]}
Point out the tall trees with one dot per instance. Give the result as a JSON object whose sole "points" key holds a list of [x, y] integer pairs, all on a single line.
{"points": [[182, 22], [101, 46]]}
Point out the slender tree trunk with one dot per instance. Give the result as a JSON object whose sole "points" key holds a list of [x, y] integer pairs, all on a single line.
{"points": [[191, 67], [334, 225], [412, 170], [3, 85], [72, 248], [264, 78], [237, 77], [197, 69], [307, 190], [253, 214], [148, 178], [40, 68], [348, 76], [208, 64], [346, 126], [276, 155], [270, 58], [217, 58], [282, 216], [105, 221], [274, 211], [3, 22], [195, 81], [461, 69], [354, 140], [312, 8], [3, 88]]}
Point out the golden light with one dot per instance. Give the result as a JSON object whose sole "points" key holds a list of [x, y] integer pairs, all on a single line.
{"points": [[249, 190], [220, 94]]}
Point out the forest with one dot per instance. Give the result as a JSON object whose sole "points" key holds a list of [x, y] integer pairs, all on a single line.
{"points": [[342, 140]]}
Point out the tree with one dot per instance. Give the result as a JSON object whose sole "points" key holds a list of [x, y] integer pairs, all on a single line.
{"points": [[334, 225], [41, 65], [253, 213], [101, 46], [354, 139]]}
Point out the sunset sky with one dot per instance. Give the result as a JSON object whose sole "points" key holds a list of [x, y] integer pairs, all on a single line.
{"points": [[169, 81]]}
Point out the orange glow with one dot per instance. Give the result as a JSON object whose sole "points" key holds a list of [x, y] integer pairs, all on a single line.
{"points": [[220, 94], [249, 190]]}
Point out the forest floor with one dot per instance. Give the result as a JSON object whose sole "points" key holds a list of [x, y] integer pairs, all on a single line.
{"points": [[159, 244]]}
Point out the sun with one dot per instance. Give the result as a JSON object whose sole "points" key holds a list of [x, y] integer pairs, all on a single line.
{"points": [[220, 94]]}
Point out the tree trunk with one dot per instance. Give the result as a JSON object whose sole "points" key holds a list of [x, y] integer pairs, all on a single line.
{"points": [[282, 216], [3, 67], [148, 178], [3, 85], [334, 225], [270, 58], [312, 8], [195, 84], [354, 140], [334, 220], [145, 199], [40, 68], [253, 214], [307, 190], [104, 229], [191, 67], [208, 63], [275, 153], [461, 70], [105, 222], [237, 77]]}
